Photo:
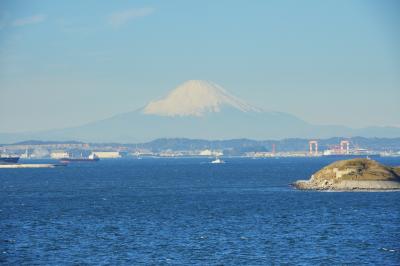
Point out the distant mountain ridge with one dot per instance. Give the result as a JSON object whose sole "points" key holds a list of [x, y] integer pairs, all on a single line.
{"points": [[42, 142], [198, 110]]}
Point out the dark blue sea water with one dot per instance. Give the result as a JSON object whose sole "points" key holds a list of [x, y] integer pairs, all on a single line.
{"points": [[187, 211]]}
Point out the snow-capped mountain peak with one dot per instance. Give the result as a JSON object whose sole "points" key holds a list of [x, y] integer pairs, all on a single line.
{"points": [[196, 98]]}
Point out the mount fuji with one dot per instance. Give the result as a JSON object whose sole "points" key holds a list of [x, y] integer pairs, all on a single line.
{"points": [[197, 98], [201, 110]]}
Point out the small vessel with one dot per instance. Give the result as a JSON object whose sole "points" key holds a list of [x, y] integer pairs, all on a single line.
{"points": [[91, 158], [8, 159], [217, 160]]}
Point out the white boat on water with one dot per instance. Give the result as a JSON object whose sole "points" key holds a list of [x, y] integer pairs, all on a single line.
{"points": [[217, 160]]}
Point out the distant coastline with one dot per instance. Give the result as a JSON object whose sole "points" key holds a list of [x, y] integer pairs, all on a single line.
{"points": [[181, 147]]}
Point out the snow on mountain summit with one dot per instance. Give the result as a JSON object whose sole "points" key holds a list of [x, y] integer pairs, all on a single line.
{"points": [[196, 98]]}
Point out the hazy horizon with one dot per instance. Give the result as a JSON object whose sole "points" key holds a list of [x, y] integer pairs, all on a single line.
{"points": [[65, 64]]}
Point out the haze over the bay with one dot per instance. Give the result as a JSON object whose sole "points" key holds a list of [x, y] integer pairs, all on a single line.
{"points": [[328, 63]]}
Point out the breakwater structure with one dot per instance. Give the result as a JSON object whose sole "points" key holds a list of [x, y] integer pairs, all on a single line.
{"points": [[31, 165]]}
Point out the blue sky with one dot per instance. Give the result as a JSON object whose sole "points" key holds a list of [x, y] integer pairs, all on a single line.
{"points": [[65, 63]]}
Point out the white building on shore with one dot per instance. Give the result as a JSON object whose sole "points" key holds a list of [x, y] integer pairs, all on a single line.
{"points": [[210, 153]]}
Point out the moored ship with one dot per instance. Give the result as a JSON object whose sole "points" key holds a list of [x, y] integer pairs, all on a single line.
{"points": [[8, 159]]}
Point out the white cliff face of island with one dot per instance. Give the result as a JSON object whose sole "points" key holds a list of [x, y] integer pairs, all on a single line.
{"points": [[196, 98], [353, 175]]}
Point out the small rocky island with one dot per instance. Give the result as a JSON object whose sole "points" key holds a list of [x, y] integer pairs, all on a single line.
{"points": [[353, 175]]}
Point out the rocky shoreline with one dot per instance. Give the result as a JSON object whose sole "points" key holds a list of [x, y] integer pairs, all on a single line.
{"points": [[349, 186]]}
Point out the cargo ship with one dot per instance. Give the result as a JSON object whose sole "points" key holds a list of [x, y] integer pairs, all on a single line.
{"points": [[8, 159], [90, 158]]}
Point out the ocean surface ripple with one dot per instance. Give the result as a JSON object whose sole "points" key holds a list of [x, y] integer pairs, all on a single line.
{"points": [[188, 211]]}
